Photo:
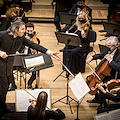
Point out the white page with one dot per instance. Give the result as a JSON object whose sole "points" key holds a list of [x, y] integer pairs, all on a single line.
{"points": [[22, 98], [33, 62], [79, 87], [105, 116]]}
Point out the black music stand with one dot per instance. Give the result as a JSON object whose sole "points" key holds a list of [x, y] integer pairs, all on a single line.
{"points": [[111, 28], [48, 63], [18, 65], [67, 18], [67, 39]]}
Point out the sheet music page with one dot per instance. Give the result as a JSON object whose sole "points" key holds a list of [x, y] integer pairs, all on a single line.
{"points": [[115, 114], [79, 87], [72, 34], [102, 116], [33, 62]]}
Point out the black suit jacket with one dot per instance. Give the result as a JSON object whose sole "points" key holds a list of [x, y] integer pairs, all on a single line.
{"points": [[114, 64], [74, 10], [10, 45]]}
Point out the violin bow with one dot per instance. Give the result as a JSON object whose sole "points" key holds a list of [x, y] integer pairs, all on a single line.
{"points": [[94, 72]]}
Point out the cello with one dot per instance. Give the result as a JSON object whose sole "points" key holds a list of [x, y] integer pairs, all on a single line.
{"points": [[101, 71]]}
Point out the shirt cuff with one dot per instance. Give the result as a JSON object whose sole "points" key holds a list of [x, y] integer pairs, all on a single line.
{"points": [[110, 61], [48, 52]]}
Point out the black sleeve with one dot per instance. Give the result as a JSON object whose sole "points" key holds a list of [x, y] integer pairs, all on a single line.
{"points": [[29, 112], [101, 55], [113, 97], [34, 45], [55, 115], [72, 10], [115, 64]]}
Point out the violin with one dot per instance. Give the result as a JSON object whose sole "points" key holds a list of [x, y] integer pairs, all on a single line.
{"points": [[32, 101], [102, 70], [110, 84]]}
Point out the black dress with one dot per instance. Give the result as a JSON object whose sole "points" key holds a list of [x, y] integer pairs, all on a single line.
{"points": [[48, 114]]}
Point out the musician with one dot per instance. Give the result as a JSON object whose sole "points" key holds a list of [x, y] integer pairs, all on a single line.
{"points": [[10, 42], [76, 9], [76, 54], [114, 63], [39, 112], [30, 33], [113, 95]]}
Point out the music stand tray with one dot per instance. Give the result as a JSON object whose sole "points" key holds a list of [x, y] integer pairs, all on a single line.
{"points": [[67, 18], [64, 38], [111, 28]]}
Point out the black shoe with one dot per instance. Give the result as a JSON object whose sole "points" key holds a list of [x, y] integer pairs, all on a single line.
{"points": [[12, 88], [29, 86], [103, 105], [93, 101]]}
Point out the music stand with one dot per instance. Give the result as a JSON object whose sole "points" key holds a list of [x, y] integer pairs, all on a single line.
{"points": [[67, 39], [111, 28], [18, 64], [67, 18], [48, 63], [26, 6]]}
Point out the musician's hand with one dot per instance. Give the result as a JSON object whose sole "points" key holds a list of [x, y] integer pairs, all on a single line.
{"points": [[115, 90], [89, 60], [101, 88], [54, 4], [55, 55], [108, 57], [3, 54]]}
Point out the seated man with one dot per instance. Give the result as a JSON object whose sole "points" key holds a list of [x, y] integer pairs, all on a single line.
{"points": [[76, 53], [110, 96], [76, 9], [114, 63]]}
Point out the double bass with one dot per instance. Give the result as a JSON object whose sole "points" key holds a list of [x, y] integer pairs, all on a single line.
{"points": [[102, 70]]}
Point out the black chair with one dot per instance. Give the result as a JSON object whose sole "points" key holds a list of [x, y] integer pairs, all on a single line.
{"points": [[92, 38]]}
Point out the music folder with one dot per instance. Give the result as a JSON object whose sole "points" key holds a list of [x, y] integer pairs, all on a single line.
{"points": [[37, 62]]}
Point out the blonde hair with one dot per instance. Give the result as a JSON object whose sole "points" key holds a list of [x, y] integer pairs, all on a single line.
{"points": [[85, 16], [10, 11]]}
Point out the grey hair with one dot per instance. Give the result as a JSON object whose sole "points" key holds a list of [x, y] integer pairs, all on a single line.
{"points": [[114, 40], [14, 26]]}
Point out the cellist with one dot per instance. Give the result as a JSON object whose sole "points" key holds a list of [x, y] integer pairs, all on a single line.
{"points": [[114, 63]]}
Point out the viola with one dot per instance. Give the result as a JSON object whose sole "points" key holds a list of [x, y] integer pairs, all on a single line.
{"points": [[102, 70]]}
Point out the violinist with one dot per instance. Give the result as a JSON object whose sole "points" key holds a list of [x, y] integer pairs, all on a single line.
{"points": [[76, 53], [39, 112], [113, 95], [76, 9], [114, 63], [32, 35]]}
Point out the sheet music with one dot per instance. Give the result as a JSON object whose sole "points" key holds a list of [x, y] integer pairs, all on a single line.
{"points": [[22, 98], [33, 62], [79, 87], [112, 115]]}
